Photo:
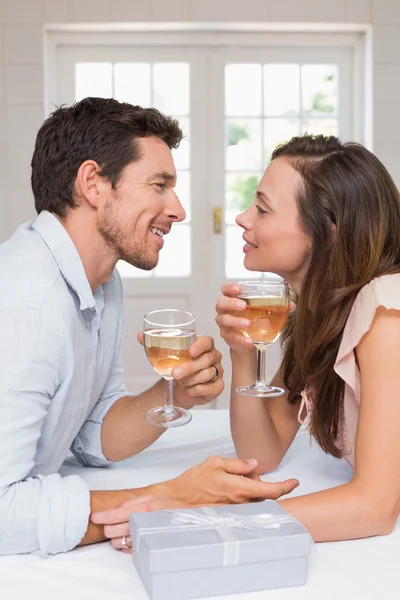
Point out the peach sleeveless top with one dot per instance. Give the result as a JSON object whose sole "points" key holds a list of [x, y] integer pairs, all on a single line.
{"points": [[383, 291]]}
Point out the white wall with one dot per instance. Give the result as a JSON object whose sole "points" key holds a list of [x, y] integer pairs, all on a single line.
{"points": [[21, 66]]}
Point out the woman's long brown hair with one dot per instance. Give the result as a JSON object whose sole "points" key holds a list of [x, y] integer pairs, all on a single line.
{"points": [[349, 206]]}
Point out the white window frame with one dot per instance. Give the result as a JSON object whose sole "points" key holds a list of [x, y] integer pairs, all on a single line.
{"points": [[359, 36]]}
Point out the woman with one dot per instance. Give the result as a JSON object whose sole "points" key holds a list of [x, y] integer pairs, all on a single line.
{"points": [[326, 218]]}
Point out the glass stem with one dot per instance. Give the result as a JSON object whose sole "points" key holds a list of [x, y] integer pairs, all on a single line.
{"points": [[169, 396], [261, 368]]}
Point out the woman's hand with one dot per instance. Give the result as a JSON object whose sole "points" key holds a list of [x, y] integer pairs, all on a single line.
{"points": [[116, 520], [230, 322]]}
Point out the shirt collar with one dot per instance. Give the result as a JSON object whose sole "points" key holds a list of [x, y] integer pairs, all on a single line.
{"points": [[67, 257]]}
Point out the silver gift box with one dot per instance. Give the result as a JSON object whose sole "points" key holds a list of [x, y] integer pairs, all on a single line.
{"points": [[194, 553]]}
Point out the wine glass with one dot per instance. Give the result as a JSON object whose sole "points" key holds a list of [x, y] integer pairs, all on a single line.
{"points": [[267, 309], [168, 335]]}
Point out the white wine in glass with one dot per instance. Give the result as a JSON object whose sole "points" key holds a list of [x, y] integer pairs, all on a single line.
{"points": [[168, 335], [267, 309]]}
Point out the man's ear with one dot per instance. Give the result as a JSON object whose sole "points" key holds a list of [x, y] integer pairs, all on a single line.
{"points": [[89, 182]]}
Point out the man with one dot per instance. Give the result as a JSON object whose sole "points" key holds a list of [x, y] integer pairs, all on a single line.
{"points": [[103, 179]]}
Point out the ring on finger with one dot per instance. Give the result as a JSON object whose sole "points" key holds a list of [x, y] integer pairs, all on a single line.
{"points": [[216, 374], [125, 542]]}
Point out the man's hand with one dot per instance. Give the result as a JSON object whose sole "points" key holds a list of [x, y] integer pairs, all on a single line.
{"points": [[200, 380], [215, 481], [224, 481]]}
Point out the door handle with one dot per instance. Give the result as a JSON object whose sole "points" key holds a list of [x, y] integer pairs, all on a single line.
{"points": [[218, 215]]}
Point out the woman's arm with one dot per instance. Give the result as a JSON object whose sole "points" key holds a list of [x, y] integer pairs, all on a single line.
{"points": [[263, 428], [370, 504]]}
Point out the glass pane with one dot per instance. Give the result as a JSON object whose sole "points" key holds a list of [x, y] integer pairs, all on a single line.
{"points": [[171, 88], [234, 268], [243, 90], [317, 126], [240, 191], [281, 89], [175, 257], [182, 154], [93, 79], [182, 190], [132, 83], [126, 270], [319, 89], [277, 131], [243, 144]]}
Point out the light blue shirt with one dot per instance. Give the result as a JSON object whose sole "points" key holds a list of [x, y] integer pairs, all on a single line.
{"points": [[60, 373]]}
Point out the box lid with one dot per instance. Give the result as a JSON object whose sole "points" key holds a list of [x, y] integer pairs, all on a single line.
{"points": [[165, 542]]}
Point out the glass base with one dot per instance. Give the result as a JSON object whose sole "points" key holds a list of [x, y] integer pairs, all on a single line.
{"points": [[171, 417], [260, 391]]}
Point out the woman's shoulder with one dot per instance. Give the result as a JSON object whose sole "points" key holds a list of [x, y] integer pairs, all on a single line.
{"points": [[381, 291]]}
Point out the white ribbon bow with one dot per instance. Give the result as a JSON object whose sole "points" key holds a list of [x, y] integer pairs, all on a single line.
{"points": [[231, 520], [223, 523]]}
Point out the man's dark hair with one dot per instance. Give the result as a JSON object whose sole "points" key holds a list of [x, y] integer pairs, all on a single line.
{"points": [[99, 129]]}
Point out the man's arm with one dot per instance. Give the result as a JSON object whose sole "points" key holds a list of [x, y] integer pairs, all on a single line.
{"points": [[117, 428], [37, 514], [125, 431]]}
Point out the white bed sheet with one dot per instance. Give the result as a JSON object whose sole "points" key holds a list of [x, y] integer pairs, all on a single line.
{"points": [[361, 570]]}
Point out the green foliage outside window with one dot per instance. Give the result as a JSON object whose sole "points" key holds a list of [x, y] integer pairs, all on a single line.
{"points": [[245, 192], [245, 188], [236, 133]]}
